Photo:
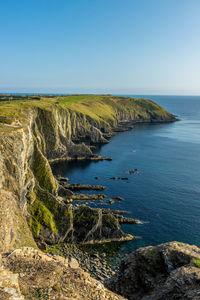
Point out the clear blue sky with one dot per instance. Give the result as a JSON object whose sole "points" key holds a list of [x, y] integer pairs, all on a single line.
{"points": [[100, 46]]}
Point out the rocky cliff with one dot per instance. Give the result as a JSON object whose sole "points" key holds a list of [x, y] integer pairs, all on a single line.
{"points": [[34, 133], [168, 271], [34, 208]]}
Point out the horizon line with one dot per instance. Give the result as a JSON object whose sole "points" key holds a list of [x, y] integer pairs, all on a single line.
{"points": [[77, 93]]}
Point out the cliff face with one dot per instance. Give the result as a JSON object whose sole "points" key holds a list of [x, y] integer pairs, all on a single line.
{"points": [[33, 134], [167, 271]]}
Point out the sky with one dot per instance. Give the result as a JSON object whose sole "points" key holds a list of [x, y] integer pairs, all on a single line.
{"points": [[100, 46]]}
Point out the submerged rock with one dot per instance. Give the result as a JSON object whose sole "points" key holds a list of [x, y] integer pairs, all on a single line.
{"points": [[88, 196], [86, 187], [133, 171], [111, 201], [118, 198]]}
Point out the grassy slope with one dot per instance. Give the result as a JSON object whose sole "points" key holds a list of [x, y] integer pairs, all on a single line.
{"points": [[98, 107]]}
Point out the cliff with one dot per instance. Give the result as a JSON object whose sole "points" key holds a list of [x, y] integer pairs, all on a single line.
{"points": [[34, 133], [164, 272], [34, 209]]}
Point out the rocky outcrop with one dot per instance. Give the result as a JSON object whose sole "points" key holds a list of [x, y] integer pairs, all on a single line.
{"points": [[168, 271], [93, 226], [30, 274]]}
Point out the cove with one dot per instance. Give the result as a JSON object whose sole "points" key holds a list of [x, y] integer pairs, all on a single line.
{"points": [[165, 193]]}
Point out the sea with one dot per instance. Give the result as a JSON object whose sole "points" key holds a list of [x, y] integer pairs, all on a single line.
{"points": [[165, 192]]}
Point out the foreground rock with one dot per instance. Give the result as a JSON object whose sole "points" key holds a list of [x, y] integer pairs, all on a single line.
{"points": [[168, 271], [94, 260], [28, 273]]}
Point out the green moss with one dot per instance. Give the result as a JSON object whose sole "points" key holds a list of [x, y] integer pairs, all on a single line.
{"points": [[6, 121], [86, 217], [42, 171], [53, 251], [153, 254], [45, 210], [41, 216], [196, 261], [35, 227], [110, 220], [155, 262]]}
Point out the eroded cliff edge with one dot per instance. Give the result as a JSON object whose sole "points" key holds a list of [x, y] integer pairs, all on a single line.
{"points": [[36, 132]]}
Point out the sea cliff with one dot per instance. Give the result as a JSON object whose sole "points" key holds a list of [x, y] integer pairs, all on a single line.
{"points": [[36, 208], [35, 133]]}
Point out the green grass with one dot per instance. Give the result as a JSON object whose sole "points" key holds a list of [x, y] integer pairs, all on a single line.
{"points": [[196, 261], [41, 216], [101, 108], [42, 171]]}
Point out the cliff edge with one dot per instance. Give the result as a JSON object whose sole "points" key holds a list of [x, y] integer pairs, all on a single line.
{"points": [[30, 274], [164, 272]]}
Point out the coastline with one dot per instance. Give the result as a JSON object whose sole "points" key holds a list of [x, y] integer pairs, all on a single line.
{"points": [[57, 129]]}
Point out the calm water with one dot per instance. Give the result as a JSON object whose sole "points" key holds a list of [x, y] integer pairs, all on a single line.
{"points": [[166, 191]]}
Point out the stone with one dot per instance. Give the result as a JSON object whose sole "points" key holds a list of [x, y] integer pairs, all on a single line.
{"points": [[73, 263], [118, 198], [111, 201]]}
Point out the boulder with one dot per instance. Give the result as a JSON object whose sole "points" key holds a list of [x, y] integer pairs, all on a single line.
{"points": [[167, 271]]}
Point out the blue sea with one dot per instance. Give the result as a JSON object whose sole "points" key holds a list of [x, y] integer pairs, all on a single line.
{"points": [[165, 194]]}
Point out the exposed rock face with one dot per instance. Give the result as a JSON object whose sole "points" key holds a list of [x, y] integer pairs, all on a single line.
{"points": [[30, 274], [30, 197], [93, 226], [168, 271]]}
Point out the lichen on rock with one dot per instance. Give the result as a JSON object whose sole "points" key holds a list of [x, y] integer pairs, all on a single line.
{"points": [[166, 271]]}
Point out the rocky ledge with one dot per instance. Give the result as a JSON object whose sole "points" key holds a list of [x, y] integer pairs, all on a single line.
{"points": [[28, 273], [166, 272]]}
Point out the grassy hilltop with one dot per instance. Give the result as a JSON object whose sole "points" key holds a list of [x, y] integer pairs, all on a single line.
{"points": [[97, 107]]}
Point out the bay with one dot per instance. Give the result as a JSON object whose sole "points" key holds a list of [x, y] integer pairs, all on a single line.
{"points": [[165, 194]]}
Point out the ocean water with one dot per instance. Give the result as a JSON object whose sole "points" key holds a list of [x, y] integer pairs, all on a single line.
{"points": [[165, 194]]}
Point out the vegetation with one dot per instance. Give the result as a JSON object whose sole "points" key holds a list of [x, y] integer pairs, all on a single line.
{"points": [[196, 261], [85, 218], [41, 216], [42, 171], [101, 108]]}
